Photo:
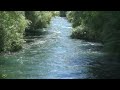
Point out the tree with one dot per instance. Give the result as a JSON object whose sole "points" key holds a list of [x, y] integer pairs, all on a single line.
{"points": [[39, 20], [12, 27], [102, 26]]}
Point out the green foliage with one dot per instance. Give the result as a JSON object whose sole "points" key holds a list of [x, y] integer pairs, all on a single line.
{"points": [[14, 23], [100, 26], [12, 27], [70, 15], [79, 32], [39, 20], [55, 13], [62, 13]]}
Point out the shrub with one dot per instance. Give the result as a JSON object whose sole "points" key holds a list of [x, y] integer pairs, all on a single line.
{"points": [[12, 27], [100, 26], [39, 20]]}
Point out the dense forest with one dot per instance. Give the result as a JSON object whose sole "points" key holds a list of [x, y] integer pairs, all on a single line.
{"points": [[97, 26]]}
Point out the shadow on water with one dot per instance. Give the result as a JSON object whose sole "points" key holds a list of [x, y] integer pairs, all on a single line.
{"points": [[105, 67], [56, 56]]}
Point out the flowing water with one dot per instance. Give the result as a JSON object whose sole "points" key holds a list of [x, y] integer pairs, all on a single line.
{"points": [[56, 56]]}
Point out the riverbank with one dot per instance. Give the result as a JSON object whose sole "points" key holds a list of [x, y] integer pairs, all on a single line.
{"points": [[54, 56], [97, 26]]}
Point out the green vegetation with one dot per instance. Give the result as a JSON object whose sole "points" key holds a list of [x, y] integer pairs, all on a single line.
{"points": [[39, 20], [55, 13], [15, 24], [12, 27], [63, 13], [100, 26]]}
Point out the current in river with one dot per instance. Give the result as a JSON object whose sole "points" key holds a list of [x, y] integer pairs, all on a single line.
{"points": [[56, 56]]}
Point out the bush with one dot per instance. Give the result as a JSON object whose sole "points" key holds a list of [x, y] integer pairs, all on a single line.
{"points": [[12, 27], [100, 26], [55, 13], [79, 33], [62, 13], [70, 15], [39, 20]]}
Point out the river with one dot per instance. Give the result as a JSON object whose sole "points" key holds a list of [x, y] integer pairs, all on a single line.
{"points": [[56, 56]]}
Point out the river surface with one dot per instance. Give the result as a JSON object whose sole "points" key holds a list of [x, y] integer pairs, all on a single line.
{"points": [[56, 56]]}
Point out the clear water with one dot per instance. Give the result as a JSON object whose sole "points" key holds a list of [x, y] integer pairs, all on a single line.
{"points": [[57, 56]]}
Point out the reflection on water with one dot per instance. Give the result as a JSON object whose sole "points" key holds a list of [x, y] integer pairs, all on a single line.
{"points": [[56, 56]]}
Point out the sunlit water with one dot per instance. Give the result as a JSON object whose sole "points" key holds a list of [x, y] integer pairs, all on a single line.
{"points": [[57, 56]]}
